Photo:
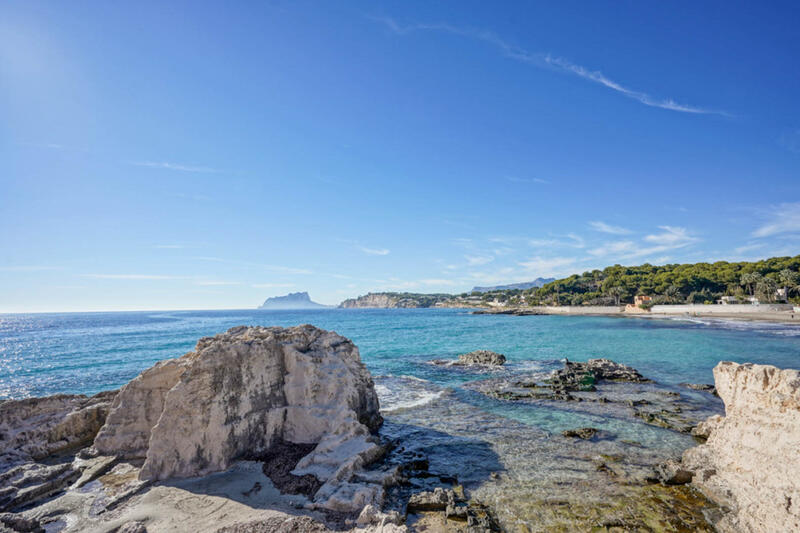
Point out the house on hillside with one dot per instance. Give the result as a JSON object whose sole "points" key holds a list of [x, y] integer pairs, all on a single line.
{"points": [[728, 300], [638, 302]]}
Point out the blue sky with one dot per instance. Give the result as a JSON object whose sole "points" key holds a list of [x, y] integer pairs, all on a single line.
{"points": [[169, 155]]}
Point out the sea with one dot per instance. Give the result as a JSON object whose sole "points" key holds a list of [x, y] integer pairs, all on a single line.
{"points": [[438, 410]]}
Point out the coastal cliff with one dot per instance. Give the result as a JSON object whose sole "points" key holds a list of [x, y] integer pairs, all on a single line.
{"points": [[751, 460], [391, 300]]}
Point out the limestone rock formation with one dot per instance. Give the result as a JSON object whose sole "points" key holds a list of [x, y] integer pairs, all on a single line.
{"points": [[751, 460], [482, 357], [34, 428], [243, 391], [137, 408]]}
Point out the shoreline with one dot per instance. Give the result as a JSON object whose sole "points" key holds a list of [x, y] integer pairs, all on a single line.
{"points": [[773, 317]]}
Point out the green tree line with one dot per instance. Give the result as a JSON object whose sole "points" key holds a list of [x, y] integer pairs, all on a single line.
{"points": [[667, 284]]}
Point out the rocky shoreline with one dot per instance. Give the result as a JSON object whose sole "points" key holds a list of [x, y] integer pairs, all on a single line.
{"points": [[273, 429]]}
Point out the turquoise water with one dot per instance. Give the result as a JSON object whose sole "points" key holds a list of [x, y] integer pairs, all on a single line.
{"points": [[88, 352], [508, 454]]}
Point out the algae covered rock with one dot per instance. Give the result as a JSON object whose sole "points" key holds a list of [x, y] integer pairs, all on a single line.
{"points": [[482, 357]]}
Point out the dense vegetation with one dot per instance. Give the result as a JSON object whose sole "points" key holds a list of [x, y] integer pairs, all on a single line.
{"points": [[667, 284]]}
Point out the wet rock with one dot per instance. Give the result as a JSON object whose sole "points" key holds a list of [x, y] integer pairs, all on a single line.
{"points": [[35, 428], [706, 387], [436, 500], [482, 357], [672, 472], [132, 527], [665, 419], [580, 433], [279, 461], [19, 524]]}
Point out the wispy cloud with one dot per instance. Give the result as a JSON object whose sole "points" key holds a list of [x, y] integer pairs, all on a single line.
{"points": [[250, 264], [542, 60], [672, 236], [515, 179], [748, 247], [545, 266], [608, 228], [780, 219], [669, 238], [570, 240], [133, 276], [598, 77], [214, 283], [272, 285], [373, 251], [174, 166], [473, 260], [610, 248]]}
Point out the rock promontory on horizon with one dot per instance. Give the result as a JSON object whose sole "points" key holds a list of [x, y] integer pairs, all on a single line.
{"points": [[293, 300]]}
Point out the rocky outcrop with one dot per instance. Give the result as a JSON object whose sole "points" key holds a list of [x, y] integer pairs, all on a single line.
{"points": [[373, 300], [482, 357], [137, 408], [34, 428], [751, 460], [407, 300], [244, 391]]}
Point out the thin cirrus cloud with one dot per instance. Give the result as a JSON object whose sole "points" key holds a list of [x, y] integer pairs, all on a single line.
{"points": [[602, 227], [515, 179], [549, 61], [782, 219], [669, 238], [374, 251], [174, 166], [133, 276], [474, 260]]}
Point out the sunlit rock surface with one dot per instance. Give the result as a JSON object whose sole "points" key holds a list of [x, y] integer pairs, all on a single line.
{"points": [[243, 391], [751, 460]]}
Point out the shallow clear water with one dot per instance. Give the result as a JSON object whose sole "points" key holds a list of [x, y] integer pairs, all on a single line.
{"points": [[509, 454]]}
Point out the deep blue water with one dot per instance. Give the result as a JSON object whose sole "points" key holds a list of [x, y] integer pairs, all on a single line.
{"points": [[43, 354]]}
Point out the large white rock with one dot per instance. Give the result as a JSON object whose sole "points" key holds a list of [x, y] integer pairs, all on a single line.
{"points": [[137, 408], [751, 460], [244, 390]]}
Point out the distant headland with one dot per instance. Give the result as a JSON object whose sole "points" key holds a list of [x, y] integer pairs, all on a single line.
{"points": [[294, 300]]}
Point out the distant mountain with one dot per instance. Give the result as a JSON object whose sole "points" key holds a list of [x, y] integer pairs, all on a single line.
{"points": [[538, 282], [295, 300]]}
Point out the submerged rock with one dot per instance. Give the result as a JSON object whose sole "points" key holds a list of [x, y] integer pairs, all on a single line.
{"points": [[580, 433], [751, 460], [482, 357], [244, 391]]}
